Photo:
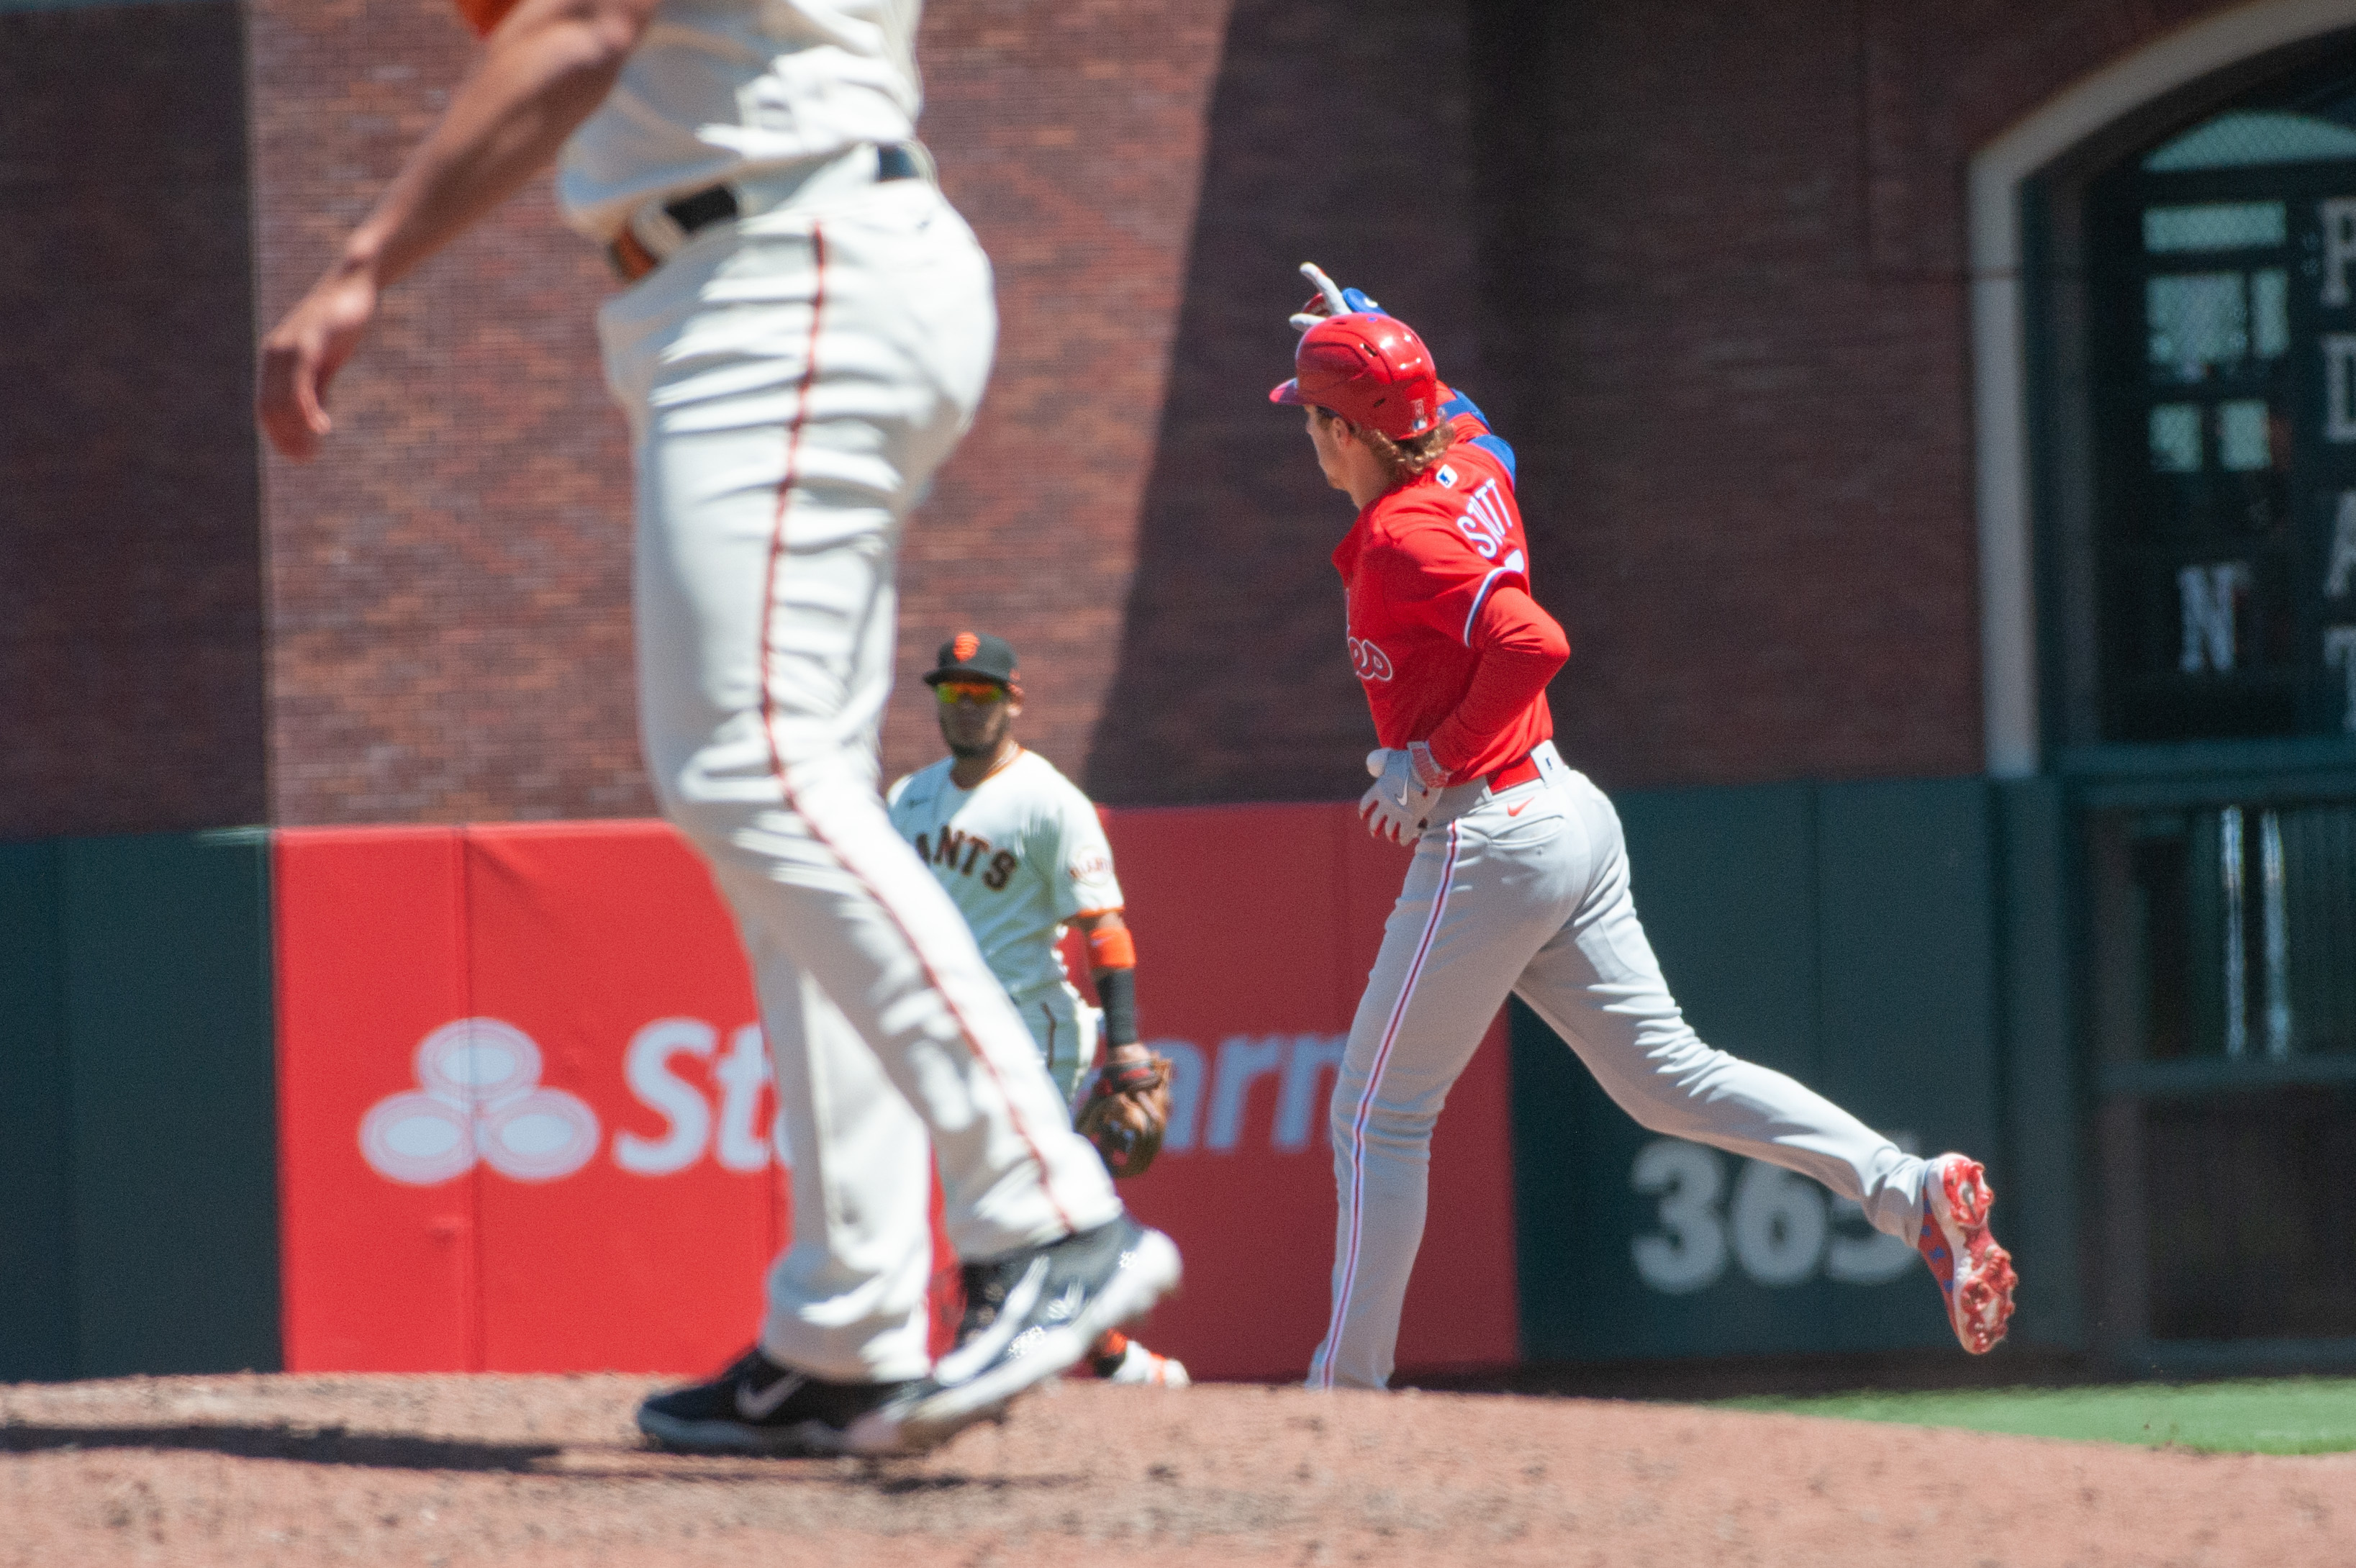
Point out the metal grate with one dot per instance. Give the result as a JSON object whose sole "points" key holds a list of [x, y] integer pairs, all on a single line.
{"points": [[2252, 138], [2248, 916]]}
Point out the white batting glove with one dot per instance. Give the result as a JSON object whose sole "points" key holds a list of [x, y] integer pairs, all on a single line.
{"points": [[1331, 299], [1406, 781]]}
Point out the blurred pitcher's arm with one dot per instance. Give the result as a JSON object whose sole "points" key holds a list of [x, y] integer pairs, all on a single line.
{"points": [[545, 68]]}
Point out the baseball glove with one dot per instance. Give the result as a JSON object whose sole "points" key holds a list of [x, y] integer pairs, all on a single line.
{"points": [[1127, 1111]]}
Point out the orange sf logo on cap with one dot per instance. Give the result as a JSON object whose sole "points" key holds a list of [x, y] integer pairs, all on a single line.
{"points": [[965, 645]]}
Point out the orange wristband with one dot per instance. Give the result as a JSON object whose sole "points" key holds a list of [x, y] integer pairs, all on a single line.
{"points": [[1113, 949]]}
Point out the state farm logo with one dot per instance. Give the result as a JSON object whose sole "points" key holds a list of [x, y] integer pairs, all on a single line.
{"points": [[479, 1097], [1212, 1090], [702, 1096], [1369, 661], [738, 1137]]}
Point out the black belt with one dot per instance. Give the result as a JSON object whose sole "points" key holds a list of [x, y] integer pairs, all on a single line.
{"points": [[717, 204]]}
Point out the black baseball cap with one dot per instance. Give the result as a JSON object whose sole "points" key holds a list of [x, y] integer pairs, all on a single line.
{"points": [[974, 656]]}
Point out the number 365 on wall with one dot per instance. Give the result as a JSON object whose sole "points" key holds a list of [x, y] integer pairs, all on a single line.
{"points": [[1780, 1228]]}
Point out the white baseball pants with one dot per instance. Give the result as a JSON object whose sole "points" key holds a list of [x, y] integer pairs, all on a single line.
{"points": [[792, 382], [1526, 892], [1064, 1029]]}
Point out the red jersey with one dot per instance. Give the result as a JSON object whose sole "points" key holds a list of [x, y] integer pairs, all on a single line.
{"points": [[1418, 566]]}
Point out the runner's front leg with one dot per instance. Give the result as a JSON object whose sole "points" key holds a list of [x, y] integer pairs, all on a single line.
{"points": [[1465, 921]]}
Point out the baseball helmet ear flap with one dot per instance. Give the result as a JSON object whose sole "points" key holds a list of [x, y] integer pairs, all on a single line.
{"points": [[1373, 371]]}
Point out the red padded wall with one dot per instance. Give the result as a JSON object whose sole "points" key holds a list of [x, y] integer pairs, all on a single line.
{"points": [[1256, 927], [587, 936], [377, 1276], [577, 1175], [580, 938]]}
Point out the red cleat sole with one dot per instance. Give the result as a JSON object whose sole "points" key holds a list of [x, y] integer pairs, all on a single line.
{"points": [[1974, 1273]]}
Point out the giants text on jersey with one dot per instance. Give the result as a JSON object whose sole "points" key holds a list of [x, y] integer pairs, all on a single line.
{"points": [[1019, 854]]}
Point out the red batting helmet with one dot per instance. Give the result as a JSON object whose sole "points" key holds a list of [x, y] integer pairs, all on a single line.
{"points": [[1371, 369]]}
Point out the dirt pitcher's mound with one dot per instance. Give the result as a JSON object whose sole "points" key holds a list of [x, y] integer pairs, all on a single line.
{"points": [[547, 1471]]}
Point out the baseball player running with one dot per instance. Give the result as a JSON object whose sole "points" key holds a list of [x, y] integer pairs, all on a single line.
{"points": [[1021, 851], [1519, 882], [804, 339]]}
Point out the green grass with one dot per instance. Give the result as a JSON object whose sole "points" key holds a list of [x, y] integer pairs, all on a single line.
{"points": [[2288, 1415]]}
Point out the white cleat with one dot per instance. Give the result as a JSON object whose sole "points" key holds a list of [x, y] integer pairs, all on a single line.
{"points": [[1137, 1365]]}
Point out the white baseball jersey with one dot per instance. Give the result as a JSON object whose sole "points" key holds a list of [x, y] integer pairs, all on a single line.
{"points": [[719, 89], [1020, 854]]}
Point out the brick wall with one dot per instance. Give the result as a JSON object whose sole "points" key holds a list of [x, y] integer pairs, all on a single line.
{"points": [[1072, 136], [449, 582], [1340, 134], [130, 576], [1734, 325], [1704, 264]]}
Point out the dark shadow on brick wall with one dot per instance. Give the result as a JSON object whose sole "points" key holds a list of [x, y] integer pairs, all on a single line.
{"points": [[131, 685], [1339, 135]]}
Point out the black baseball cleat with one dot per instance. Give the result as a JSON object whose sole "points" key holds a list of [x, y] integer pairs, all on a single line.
{"points": [[985, 1294], [1032, 1313], [759, 1407]]}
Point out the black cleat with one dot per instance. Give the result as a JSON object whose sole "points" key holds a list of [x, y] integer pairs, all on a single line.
{"points": [[985, 1294], [759, 1407], [1030, 1315]]}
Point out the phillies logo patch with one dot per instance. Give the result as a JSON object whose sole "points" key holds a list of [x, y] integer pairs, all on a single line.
{"points": [[1369, 661]]}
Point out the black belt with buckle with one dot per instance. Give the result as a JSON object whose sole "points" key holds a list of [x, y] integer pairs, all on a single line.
{"points": [[717, 204]]}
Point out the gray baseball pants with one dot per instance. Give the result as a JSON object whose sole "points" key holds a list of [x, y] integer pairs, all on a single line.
{"points": [[1525, 892]]}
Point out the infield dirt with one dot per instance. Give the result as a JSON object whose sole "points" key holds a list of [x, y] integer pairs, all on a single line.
{"points": [[539, 1472]]}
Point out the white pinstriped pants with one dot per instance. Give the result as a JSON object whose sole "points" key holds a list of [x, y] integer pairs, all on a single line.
{"points": [[792, 383], [1526, 892]]}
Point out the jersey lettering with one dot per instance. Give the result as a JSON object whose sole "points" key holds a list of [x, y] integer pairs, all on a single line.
{"points": [[1416, 569], [960, 851], [1485, 521], [1019, 855]]}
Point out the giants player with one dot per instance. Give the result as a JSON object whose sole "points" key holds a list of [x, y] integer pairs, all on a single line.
{"points": [[804, 339], [1520, 878], [1021, 853]]}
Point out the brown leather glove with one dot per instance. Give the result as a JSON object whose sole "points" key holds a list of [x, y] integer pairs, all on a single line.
{"points": [[1127, 1112]]}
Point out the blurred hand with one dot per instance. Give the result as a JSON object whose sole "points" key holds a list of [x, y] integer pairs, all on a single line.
{"points": [[302, 354]]}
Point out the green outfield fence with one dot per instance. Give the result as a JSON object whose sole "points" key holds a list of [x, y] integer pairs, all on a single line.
{"points": [[139, 1136], [1898, 944]]}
